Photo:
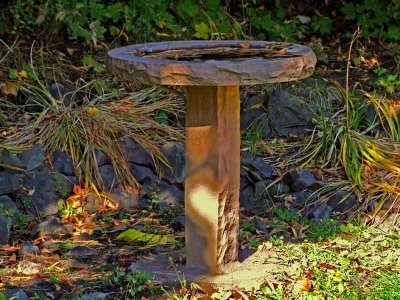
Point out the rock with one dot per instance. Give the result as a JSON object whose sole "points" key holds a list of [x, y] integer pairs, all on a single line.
{"points": [[43, 182], [178, 224], [33, 158], [9, 183], [94, 296], [82, 252], [51, 226], [322, 212], [127, 200], [141, 173], [13, 160], [174, 153], [16, 294], [65, 185], [4, 230], [108, 177], [318, 185], [300, 180], [28, 248], [32, 106], [92, 203], [244, 180], [151, 187], [28, 268], [59, 92], [341, 201], [8, 207], [287, 115], [275, 189], [169, 195], [300, 198], [256, 121], [44, 203], [62, 163], [259, 225], [101, 158], [260, 168], [32, 283], [254, 101], [134, 152], [247, 196], [252, 202]]}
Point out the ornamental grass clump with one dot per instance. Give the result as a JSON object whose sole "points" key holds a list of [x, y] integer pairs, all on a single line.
{"points": [[367, 150], [98, 123]]}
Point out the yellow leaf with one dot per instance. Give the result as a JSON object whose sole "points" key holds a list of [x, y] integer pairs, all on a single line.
{"points": [[92, 111], [22, 74], [160, 23]]}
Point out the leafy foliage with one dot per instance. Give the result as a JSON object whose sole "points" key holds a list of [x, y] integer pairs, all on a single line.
{"points": [[97, 22]]}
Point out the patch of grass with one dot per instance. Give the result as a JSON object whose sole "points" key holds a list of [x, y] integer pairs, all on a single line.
{"points": [[286, 215], [384, 286], [133, 284], [322, 230]]}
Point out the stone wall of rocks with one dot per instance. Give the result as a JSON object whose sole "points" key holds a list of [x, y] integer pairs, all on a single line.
{"points": [[45, 184]]}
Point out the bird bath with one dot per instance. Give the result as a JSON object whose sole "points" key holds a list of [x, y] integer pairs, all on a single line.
{"points": [[212, 71]]}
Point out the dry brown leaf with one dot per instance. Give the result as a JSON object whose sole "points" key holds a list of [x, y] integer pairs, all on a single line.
{"points": [[70, 51], [10, 88]]}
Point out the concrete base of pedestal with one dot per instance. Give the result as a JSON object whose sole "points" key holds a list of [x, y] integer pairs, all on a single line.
{"points": [[169, 270]]}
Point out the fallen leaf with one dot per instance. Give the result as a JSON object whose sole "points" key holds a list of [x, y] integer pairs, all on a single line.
{"points": [[70, 51], [9, 248], [10, 88], [134, 235], [92, 111], [303, 284], [67, 282], [22, 74]]}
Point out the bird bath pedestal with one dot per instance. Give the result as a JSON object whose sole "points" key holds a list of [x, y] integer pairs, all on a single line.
{"points": [[212, 71]]}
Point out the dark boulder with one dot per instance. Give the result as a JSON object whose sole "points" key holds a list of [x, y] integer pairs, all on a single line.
{"points": [[287, 115], [255, 120], [4, 230], [169, 195], [259, 168], [9, 183], [8, 207], [134, 152], [33, 158], [53, 227], [127, 200], [101, 158], [141, 173], [342, 201], [107, 175], [62, 163], [28, 248], [174, 153], [44, 203], [300, 180]]}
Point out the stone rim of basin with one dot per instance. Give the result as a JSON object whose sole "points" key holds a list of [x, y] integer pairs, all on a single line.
{"points": [[130, 63]]}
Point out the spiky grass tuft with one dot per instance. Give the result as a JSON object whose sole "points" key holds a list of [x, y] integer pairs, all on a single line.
{"points": [[98, 124]]}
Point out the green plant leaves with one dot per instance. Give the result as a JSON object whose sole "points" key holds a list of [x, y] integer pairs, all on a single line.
{"points": [[188, 8], [134, 235], [202, 30]]}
